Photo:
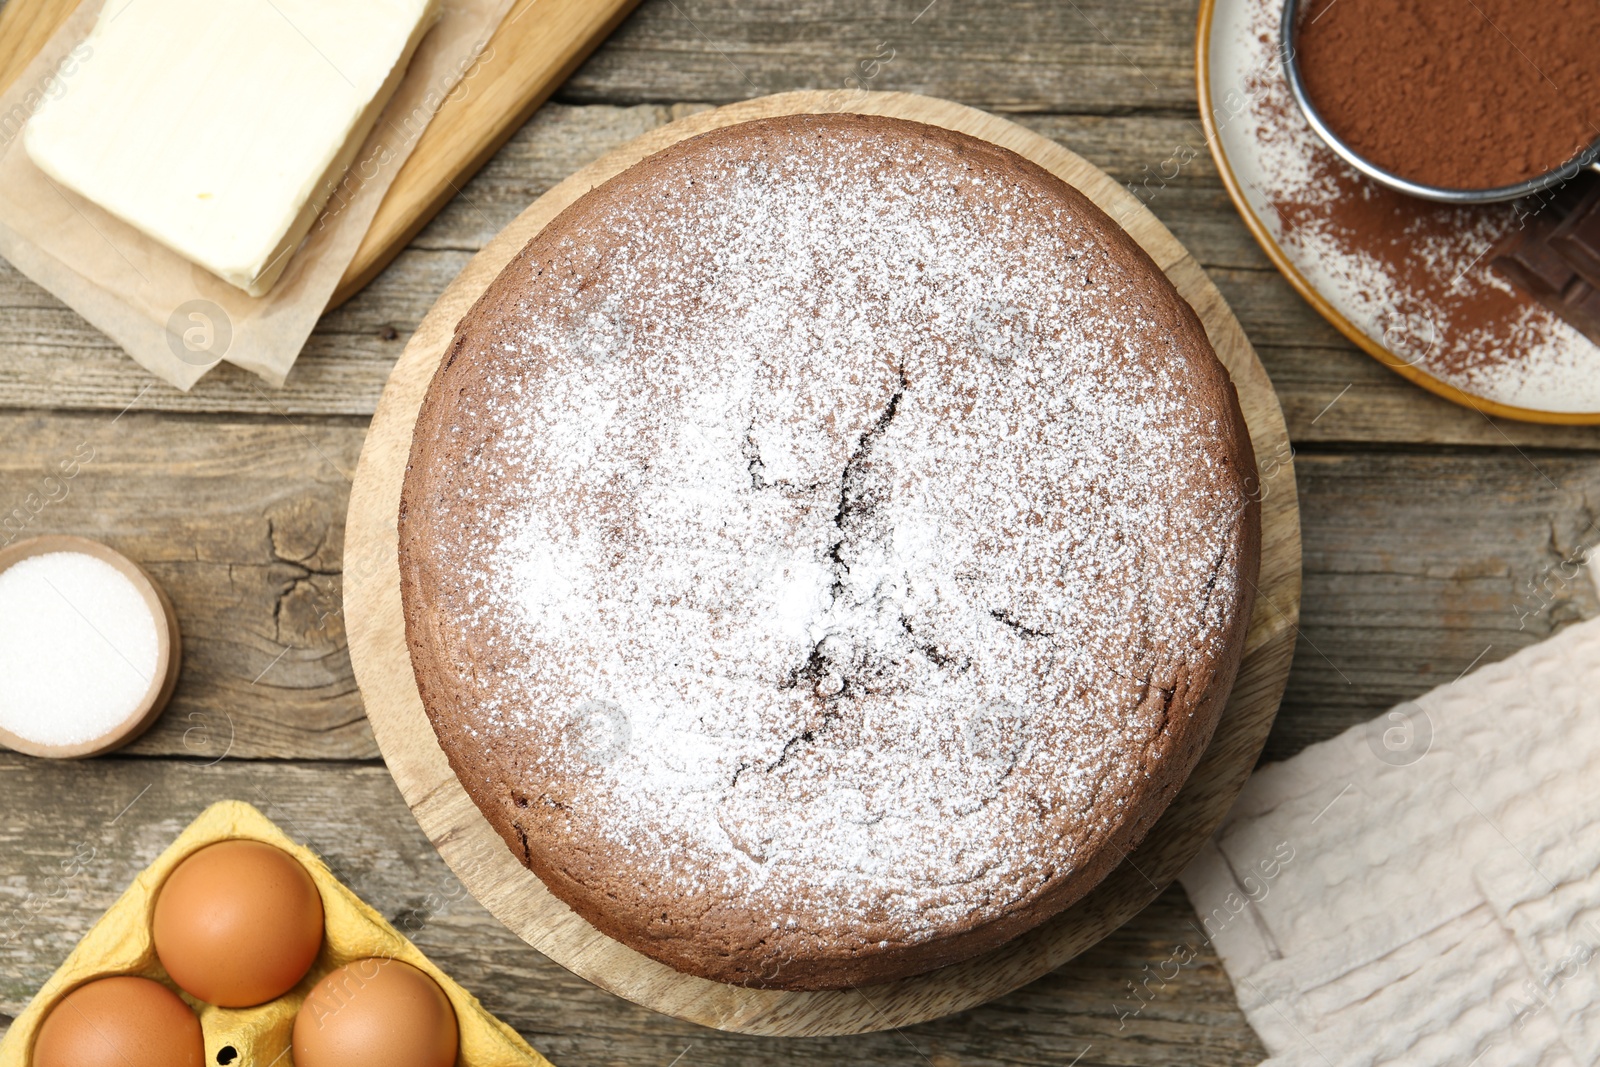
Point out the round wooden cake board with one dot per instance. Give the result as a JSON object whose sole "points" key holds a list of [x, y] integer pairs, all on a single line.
{"points": [[514, 895]]}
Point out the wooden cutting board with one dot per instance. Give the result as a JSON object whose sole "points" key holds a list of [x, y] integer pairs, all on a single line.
{"points": [[495, 877], [536, 48]]}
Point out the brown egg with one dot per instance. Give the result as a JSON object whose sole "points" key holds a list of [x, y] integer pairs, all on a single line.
{"points": [[238, 923], [375, 1013], [120, 1022]]}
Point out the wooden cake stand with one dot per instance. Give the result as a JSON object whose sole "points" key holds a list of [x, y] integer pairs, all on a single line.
{"points": [[515, 896]]}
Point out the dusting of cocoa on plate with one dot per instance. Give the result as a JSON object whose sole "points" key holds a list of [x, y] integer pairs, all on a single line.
{"points": [[1408, 244]]}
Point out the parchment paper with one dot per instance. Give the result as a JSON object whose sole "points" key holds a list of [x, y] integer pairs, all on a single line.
{"points": [[175, 318]]}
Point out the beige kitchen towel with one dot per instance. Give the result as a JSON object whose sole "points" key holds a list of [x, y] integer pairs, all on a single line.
{"points": [[1548, 898], [1422, 889], [173, 317]]}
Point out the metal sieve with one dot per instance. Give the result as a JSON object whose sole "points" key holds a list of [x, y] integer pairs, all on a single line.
{"points": [[1589, 158]]}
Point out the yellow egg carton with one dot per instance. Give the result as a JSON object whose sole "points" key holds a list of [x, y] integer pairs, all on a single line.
{"points": [[120, 943]]}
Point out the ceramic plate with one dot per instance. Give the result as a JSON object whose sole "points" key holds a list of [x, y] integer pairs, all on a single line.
{"points": [[1408, 281]]}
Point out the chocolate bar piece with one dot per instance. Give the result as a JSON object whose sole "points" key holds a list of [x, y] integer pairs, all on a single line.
{"points": [[1577, 239], [1532, 260]]}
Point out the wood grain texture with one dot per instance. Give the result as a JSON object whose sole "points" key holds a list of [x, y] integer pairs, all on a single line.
{"points": [[514, 895], [24, 28], [1428, 535], [241, 522], [1471, 574], [1402, 590], [354, 818], [55, 360], [1087, 56]]}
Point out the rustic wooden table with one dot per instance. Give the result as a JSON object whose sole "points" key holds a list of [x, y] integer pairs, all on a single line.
{"points": [[1434, 538]]}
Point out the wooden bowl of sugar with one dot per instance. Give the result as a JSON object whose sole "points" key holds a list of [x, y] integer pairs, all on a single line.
{"points": [[89, 648]]}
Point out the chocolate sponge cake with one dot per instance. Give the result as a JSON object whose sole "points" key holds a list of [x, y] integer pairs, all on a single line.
{"points": [[826, 549]]}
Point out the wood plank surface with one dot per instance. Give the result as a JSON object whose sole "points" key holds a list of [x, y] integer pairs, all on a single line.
{"points": [[242, 523], [241, 518], [1431, 534], [1084, 56], [55, 360], [352, 815]]}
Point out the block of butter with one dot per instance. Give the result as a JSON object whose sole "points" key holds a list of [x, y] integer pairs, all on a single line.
{"points": [[221, 127]]}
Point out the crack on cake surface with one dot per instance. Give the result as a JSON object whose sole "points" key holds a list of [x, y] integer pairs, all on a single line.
{"points": [[1006, 619], [1212, 581], [935, 654], [752, 454], [838, 655], [851, 481]]}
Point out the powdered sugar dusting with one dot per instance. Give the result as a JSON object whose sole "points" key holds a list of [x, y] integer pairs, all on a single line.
{"points": [[839, 521]]}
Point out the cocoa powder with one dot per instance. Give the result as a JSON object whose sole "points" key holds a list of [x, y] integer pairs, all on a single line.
{"points": [[1411, 275], [1460, 94]]}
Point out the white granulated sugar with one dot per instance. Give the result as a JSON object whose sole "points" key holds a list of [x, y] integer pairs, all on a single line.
{"points": [[833, 538], [78, 648], [1415, 278]]}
